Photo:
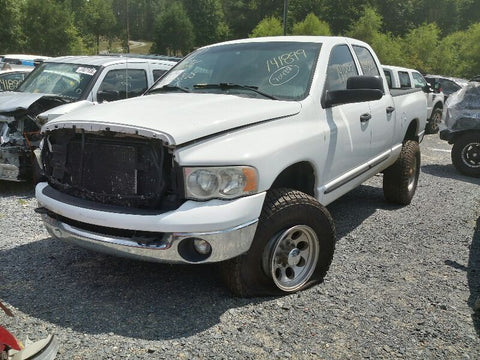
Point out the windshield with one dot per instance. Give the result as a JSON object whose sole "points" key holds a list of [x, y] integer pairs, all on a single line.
{"points": [[68, 80], [281, 70]]}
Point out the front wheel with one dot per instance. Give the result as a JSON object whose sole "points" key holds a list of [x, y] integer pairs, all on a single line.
{"points": [[292, 248], [466, 154], [400, 180]]}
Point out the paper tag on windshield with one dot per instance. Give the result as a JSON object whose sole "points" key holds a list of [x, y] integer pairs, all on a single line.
{"points": [[86, 70]]}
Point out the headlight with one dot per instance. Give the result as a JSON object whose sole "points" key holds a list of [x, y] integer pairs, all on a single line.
{"points": [[228, 182]]}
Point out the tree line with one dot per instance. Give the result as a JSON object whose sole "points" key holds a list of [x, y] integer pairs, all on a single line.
{"points": [[435, 36]]}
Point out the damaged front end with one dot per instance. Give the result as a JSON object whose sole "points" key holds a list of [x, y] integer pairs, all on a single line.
{"points": [[111, 168], [20, 136]]}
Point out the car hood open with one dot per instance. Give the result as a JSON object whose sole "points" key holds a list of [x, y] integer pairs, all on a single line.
{"points": [[176, 118]]}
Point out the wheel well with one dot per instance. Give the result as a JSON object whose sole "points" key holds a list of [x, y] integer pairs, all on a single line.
{"points": [[412, 131], [299, 176]]}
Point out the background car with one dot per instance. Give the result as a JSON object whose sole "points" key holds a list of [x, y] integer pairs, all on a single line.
{"points": [[404, 78], [11, 79], [448, 85], [462, 129], [21, 61]]}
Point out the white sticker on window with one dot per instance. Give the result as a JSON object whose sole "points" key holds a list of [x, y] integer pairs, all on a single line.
{"points": [[86, 70]]}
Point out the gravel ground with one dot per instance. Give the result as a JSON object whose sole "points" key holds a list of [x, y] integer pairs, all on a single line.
{"points": [[403, 284]]}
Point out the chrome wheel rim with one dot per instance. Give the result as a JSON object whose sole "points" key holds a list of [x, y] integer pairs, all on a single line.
{"points": [[293, 257], [471, 155], [412, 175]]}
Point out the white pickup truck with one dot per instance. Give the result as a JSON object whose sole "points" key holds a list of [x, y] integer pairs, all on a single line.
{"points": [[57, 86], [232, 157], [404, 78]]}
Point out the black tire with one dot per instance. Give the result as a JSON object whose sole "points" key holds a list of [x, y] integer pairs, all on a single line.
{"points": [[434, 121], [292, 248], [400, 180], [466, 154]]}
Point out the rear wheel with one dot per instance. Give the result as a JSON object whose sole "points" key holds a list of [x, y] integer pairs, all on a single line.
{"points": [[434, 121], [292, 249], [466, 154], [400, 180]]}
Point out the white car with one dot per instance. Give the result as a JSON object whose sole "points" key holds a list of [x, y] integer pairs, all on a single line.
{"points": [[404, 78], [57, 86]]}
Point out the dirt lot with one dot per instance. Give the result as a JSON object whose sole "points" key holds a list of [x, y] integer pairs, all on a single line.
{"points": [[403, 284]]}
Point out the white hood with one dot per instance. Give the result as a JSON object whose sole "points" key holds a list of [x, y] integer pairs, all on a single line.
{"points": [[177, 117], [12, 101]]}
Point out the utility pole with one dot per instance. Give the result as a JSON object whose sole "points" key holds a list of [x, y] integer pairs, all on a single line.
{"points": [[285, 11], [128, 30]]}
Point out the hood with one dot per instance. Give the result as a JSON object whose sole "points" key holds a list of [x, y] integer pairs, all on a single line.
{"points": [[14, 102], [176, 118], [62, 109]]}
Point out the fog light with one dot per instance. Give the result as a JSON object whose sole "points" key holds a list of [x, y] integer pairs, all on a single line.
{"points": [[202, 247]]}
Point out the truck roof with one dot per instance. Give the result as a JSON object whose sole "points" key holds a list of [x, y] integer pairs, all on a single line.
{"points": [[100, 60], [299, 38]]}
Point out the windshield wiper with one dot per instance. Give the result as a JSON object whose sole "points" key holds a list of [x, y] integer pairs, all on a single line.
{"points": [[169, 88], [226, 86]]}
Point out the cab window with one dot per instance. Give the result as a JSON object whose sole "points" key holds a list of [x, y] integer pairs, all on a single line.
{"points": [[341, 66], [367, 62], [121, 84]]}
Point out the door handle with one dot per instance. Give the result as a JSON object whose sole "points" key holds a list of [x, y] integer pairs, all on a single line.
{"points": [[390, 109], [365, 117]]}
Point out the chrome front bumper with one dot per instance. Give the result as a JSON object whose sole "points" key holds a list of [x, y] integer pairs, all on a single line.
{"points": [[169, 247]]}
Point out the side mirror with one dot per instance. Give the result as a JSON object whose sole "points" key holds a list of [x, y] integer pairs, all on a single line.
{"points": [[108, 95], [359, 89]]}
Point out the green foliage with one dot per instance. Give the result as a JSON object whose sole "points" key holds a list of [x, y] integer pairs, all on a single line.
{"points": [[368, 28], [270, 26], [208, 21], [398, 16], [312, 25], [421, 47], [55, 36], [461, 52], [11, 35], [299, 9], [438, 36], [340, 14], [98, 19], [173, 32]]}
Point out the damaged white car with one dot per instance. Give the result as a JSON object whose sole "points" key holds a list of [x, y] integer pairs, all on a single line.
{"points": [[58, 86]]}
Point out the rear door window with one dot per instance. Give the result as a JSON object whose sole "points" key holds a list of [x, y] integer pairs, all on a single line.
{"points": [[404, 79], [341, 66], [367, 62]]}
